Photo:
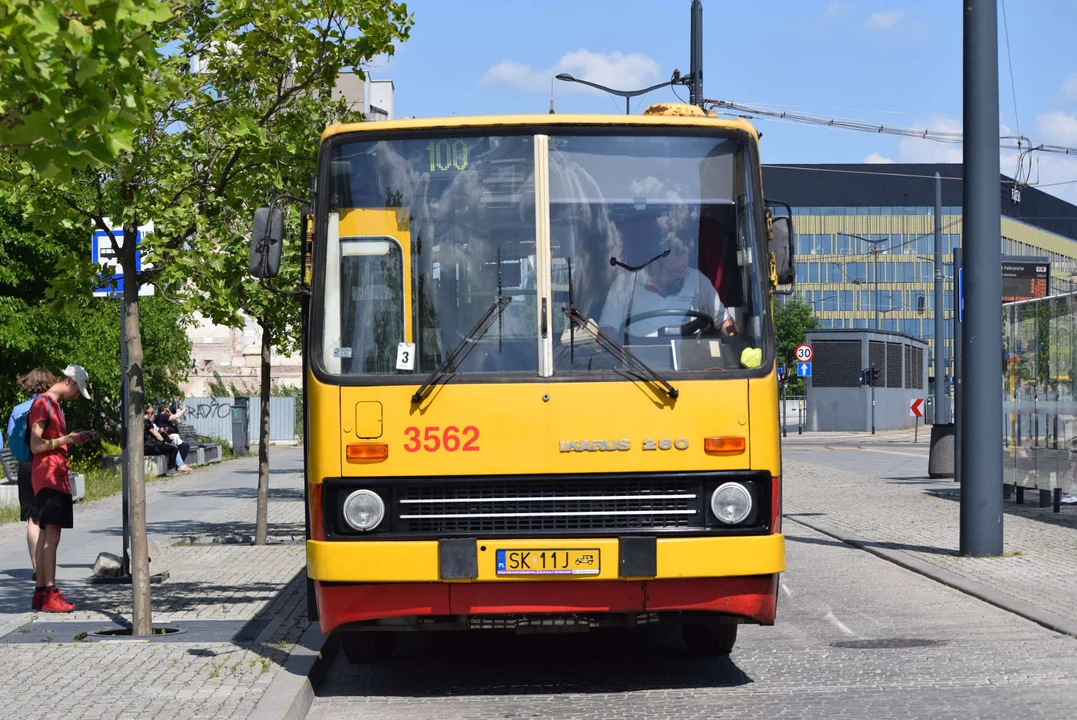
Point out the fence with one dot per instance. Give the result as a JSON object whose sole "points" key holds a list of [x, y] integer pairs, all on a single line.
{"points": [[1039, 395], [212, 417], [792, 414]]}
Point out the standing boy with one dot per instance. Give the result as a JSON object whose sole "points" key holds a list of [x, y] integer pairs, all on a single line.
{"points": [[51, 480], [33, 383]]}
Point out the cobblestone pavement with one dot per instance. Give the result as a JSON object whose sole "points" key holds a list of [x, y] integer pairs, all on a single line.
{"points": [[882, 495], [226, 582], [987, 663]]}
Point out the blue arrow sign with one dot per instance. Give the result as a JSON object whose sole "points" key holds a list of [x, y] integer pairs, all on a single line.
{"points": [[804, 369], [781, 372]]}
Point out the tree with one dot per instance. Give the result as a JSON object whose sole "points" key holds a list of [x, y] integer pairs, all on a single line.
{"points": [[218, 136], [77, 79], [261, 98], [792, 320], [36, 332]]}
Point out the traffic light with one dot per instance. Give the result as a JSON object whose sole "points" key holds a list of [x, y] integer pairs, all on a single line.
{"points": [[920, 305], [874, 378]]}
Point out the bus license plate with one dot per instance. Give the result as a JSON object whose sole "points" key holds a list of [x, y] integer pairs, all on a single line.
{"points": [[548, 562]]}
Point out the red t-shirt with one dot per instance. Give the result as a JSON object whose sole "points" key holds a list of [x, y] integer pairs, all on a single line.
{"points": [[50, 469]]}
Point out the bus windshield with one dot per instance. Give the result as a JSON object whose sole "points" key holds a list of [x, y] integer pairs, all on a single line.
{"points": [[654, 239]]}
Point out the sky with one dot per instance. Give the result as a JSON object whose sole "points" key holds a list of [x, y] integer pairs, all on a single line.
{"points": [[891, 62]]}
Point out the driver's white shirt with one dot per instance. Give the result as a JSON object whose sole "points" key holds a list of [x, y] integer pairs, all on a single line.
{"points": [[696, 293]]}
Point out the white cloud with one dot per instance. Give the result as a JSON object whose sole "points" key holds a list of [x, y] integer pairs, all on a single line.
{"points": [[877, 159], [1057, 128], [627, 71], [915, 150], [884, 19], [1069, 88], [836, 9]]}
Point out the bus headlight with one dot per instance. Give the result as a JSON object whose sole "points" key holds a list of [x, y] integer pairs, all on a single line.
{"points": [[363, 510], [731, 503]]}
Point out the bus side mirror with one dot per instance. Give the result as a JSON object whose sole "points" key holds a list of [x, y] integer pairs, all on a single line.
{"points": [[267, 242], [782, 247]]}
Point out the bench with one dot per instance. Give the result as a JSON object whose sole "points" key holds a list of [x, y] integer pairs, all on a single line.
{"points": [[202, 453], [11, 465]]}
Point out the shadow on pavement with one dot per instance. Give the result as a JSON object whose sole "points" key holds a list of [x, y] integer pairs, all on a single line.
{"points": [[239, 493], [188, 528], [492, 664]]}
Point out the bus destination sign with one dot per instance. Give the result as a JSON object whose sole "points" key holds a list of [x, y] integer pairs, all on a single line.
{"points": [[1025, 278]]}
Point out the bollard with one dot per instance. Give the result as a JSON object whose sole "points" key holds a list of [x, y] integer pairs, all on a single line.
{"points": [[800, 418], [1057, 505], [1045, 498], [1020, 494]]}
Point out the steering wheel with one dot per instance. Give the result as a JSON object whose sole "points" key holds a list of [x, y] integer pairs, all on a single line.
{"points": [[699, 323]]}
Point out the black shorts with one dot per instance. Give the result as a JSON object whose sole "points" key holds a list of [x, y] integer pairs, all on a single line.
{"points": [[54, 508], [26, 491]]}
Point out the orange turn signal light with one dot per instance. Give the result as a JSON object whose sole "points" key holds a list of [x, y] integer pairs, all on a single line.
{"points": [[367, 451], [728, 445]]}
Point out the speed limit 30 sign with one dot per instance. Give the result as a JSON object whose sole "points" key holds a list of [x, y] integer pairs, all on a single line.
{"points": [[804, 353]]}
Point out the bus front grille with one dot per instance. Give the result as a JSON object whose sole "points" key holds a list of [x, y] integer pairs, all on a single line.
{"points": [[549, 505]]}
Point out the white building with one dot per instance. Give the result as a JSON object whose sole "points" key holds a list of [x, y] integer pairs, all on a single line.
{"points": [[235, 353]]}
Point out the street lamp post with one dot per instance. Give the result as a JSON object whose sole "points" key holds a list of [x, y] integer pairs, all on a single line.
{"points": [[626, 94], [874, 269]]}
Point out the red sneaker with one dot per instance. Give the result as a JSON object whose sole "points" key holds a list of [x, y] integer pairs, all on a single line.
{"points": [[55, 602], [39, 599]]}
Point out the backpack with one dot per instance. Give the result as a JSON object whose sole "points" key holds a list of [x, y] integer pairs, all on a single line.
{"points": [[19, 429]]}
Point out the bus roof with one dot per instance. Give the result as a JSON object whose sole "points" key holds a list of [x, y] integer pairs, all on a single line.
{"points": [[516, 121]]}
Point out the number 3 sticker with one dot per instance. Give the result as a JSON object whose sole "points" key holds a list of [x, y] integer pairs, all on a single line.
{"points": [[405, 356], [433, 439]]}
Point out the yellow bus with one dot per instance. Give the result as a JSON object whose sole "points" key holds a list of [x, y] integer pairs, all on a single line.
{"points": [[541, 384]]}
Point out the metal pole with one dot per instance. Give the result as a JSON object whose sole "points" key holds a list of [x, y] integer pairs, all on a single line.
{"points": [[941, 412], [981, 462], [873, 407], [785, 402], [959, 366], [125, 487], [875, 282], [695, 91], [628, 105]]}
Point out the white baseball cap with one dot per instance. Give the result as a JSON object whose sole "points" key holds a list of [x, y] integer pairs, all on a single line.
{"points": [[81, 378]]}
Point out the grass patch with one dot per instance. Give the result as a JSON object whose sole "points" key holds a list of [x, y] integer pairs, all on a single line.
{"points": [[102, 484], [9, 514]]}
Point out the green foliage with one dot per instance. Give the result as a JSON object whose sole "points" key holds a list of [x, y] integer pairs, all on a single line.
{"points": [[792, 320], [84, 330], [77, 78]]}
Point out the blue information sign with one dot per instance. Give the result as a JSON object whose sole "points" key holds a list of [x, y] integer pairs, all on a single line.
{"points": [[804, 369]]}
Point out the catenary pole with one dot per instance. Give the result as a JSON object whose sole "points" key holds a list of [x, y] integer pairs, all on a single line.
{"points": [[941, 410], [981, 453], [695, 91]]}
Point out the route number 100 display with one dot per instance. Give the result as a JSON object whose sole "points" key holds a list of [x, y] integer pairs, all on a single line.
{"points": [[447, 155]]}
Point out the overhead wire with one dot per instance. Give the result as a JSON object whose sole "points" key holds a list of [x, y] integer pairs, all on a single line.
{"points": [[749, 112]]}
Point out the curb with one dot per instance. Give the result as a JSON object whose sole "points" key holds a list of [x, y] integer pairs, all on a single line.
{"points": [[290, 694], [978, 590]]}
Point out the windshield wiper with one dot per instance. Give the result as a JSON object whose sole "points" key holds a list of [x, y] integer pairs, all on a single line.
{"points": [[614, 262], [620, 352], [465, 346]]}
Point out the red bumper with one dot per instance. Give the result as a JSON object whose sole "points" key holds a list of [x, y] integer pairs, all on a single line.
{"points": [[753, 598]]}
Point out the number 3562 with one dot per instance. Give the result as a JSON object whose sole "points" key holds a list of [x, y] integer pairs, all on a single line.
{"points": [[449, 439]]}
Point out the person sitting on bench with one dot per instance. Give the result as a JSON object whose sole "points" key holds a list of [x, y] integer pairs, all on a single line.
{"points": [[157, 444]]}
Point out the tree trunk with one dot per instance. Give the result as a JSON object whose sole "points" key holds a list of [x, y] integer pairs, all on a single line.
{"points": [[141, 619], [262, 522]]}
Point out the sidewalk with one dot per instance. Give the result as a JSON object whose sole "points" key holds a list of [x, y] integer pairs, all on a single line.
{"points": [[882, 500], [882, 437], [242, 608]]}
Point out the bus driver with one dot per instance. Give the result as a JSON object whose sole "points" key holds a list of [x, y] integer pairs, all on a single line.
{"points": [[666, 284]]}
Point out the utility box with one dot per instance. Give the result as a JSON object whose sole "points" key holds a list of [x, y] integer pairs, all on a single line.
{"points": [[241, 440]]}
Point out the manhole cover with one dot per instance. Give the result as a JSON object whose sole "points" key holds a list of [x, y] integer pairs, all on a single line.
{"points": [[886, 644], [126, 632]]}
